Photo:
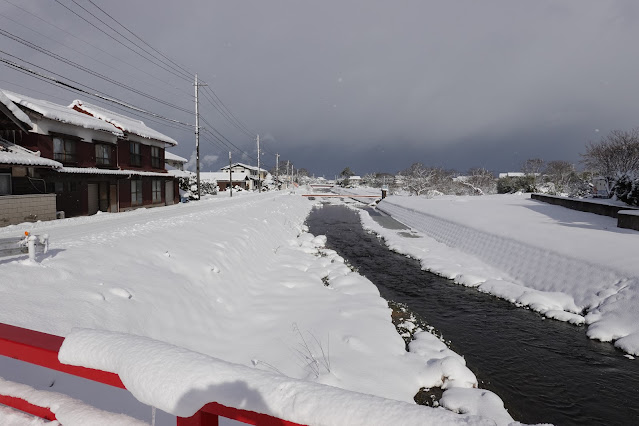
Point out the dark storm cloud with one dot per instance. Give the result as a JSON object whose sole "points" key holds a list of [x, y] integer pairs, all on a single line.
{"points": [[377, 85]]}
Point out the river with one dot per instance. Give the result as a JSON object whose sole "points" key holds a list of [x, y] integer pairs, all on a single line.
{"points": [[544, 370]]}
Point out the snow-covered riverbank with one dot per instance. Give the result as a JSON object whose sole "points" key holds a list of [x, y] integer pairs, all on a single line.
{"points": [[569, 265], [238, 280]]}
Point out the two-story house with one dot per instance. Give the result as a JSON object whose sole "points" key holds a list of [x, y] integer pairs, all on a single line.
{"points": [[110, 162], [252, 172]]}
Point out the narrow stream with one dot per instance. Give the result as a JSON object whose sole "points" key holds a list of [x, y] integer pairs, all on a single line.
{"points": [[544, 370]]}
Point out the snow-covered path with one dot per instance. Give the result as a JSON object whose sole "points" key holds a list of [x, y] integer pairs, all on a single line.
{"points": [[236, 279]]}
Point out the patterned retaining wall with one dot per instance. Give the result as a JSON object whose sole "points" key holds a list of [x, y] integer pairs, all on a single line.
{"points": [[16, 209], [536, 267]]}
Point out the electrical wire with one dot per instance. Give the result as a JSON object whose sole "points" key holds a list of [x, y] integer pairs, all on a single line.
{"points": [[139, 38], [120, 42], [77, 89], [90, 57], [87, 70]]}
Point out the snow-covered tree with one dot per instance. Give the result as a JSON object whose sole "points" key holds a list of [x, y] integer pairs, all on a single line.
{"points": [[418, 178], [615, 154]]}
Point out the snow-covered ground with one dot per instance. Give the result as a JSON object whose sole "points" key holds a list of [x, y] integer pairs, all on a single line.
{"points": [[568, 265], [238, 282]]}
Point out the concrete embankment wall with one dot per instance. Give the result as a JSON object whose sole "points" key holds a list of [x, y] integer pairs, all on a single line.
{"points": [[628, 217], [534, 266], [582, 205]]}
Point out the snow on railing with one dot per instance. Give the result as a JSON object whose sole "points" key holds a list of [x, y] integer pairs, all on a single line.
{"points": [[42, 349], [184, 383]]}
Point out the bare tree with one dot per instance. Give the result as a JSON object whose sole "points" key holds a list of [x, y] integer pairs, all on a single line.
{"points": [[615, 154], [562, 174], [418, 178], [533, 167], [481, 181]]}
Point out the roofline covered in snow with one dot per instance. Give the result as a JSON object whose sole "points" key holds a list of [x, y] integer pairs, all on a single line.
{"points": [[14, 113], [122, 122]]}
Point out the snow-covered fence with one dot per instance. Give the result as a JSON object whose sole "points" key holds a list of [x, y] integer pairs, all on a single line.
{"points": [[30, 244], [42, 349], [183, 383]]}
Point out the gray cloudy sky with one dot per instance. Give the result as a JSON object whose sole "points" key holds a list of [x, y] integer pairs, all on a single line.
{"points": [[374, 85]]}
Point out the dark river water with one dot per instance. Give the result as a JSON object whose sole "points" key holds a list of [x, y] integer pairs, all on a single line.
{"points": [[543, 370]]}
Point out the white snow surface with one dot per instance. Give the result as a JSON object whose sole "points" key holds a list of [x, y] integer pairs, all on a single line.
{"points": [[68, 411], [235, 279], [559, 262], [180, 382], [17, 112], [62, 113], [174, 157], [222, 176], [97, 171], [122, 122]]}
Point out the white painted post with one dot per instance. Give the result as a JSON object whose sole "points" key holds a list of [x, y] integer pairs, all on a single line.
{"points": [[31, 240]]}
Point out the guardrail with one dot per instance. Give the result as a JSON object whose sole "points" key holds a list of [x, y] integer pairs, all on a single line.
{"points": [[42, 349]]}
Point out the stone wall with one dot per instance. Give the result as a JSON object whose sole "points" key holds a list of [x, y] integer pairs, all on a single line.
{"points": [[16, 209]]}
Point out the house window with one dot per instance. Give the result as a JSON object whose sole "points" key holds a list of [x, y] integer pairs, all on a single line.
{"points": [[134, 150], [64, 150], [156, 186], [136, 192], [155, 157], [5, 183], [102, 155]]}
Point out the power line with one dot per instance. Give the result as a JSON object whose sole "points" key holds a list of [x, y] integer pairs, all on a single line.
{"points": [[136, 36], [118, 41], [81, 53], [97, 94], [87, 70], [226, 113]]}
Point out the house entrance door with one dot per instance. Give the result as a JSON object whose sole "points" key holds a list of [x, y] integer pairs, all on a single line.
{"points": [[168, 193], [92, 192], [113, 198], [103, 196]]}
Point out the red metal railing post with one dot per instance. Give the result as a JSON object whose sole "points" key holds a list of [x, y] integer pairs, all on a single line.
{"points": [[201, 418]]}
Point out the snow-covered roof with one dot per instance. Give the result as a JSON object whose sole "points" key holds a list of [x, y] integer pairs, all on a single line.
{"points": [[14, 113], [169, 156], [180, 173], [96, 171], [246, 166], [511, 174], [13, 154], [223, 176], [61, 113], [122, 122], [355, 177]]}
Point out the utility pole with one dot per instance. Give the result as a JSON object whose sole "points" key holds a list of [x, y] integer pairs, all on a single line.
{"points": [[230, 176], [259, 173], [197, 136], [287, 175], [277, 169]]}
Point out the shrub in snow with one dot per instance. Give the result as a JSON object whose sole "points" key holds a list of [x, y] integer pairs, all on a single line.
{"points": [[626, 188], [512, 184], [189, 186]]}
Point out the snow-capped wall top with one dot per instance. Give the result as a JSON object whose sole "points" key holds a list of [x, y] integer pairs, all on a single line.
{"points": [[122, 122], [61, 113], [222, 176], [169, 156], [17, 155], [18, 114]]}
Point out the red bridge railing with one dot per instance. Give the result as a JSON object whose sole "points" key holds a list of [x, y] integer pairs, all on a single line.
{"points": [[42, 349]]}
